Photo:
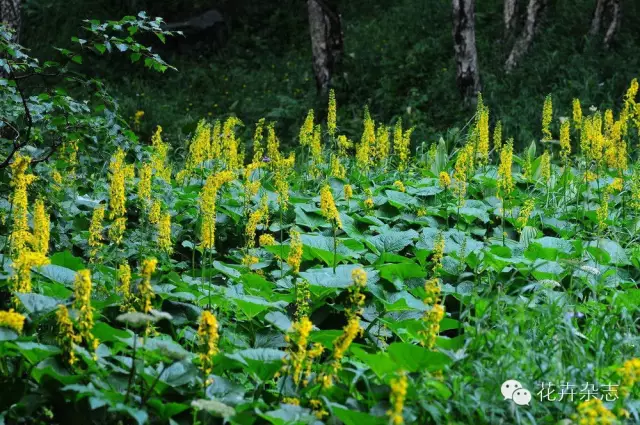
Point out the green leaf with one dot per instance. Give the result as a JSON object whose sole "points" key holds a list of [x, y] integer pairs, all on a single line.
{"points": [[399, 273], [35, 352], [38, 304], [68, 260], [352, 417], [414, 358], [77, 59], [7, 334], [392, 240], [617, 254], [57, 273]]}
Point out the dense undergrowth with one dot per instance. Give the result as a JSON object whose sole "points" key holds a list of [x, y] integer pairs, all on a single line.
{"points": [[343, 281]]}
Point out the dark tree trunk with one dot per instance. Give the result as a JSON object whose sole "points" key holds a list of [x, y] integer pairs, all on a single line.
{"points": [[535, 9], [11, 16], [464, 42], [596, 20], [326, 40], [616, 15]]}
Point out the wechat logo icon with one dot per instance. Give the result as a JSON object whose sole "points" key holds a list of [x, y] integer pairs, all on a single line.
{"points": [[513, 390]]}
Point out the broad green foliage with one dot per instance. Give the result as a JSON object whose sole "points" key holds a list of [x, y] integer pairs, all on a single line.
{"points": [[204, 283]]}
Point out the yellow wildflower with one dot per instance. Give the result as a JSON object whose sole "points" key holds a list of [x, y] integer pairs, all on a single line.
{"points": [[22, 264], [66, 338], [547, 117], [483, 137], [145, 290], [438, 252], [273, 145], [356, 297], [545, 166], [159, 156], [382, 145], [328, 207], [399, 388], [505, 177], [144, 184], [208, 197], [137, 118], [230, 143], [117, 196], [577, 114], [331, 114], [155, 211], [20, 181], [431, 320], [261, 215], [291, 400], [348, 192], [124, 276], [316, 152], [283, 168], [266, 240], [432, 292], [464, 165], [95, 230], [594, 412], [630, 374], [565, 142], [41, 228], [208, 337], [525, 213], [199, 148], [444, 180], [337, 169], [295, 251], [367, 142], [298, 338], [617, 184], [164, 233], [258, 136], [399, 185], [306, 131], [82, 303], [340, 346], [497, 136], [116, 231], [12, 320]]}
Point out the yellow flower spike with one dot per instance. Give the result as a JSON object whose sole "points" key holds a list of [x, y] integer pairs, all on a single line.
{"points": [[547, 117], [525, 214], [20, 182], [565, 141], [295, 251], [367, 142], [348, 192], [261, 215], [208, 196], [497, 136], [399, 185], [82, 303], [483, 137], [432, 292], [577, 114], [545, 167], [403, 150], [258, 137], [164, 234], [41, 228], [398, 396], [117, 197], [306, 131], [316, 152], [602, 212], [95, 230], [144, 184], [266, 240], [159, 163], [331, 114], [463, 166], [144, 289], [438, 252], [154, 212], [630, 374], [350, 332], [22, 264], [273, 145], [505, 177], [124, 277], [382, 146], [594, 412], [230, 144], [12, 320], [66, 338], [444, 180], [328, 207], [431, 320], [208, 337]]}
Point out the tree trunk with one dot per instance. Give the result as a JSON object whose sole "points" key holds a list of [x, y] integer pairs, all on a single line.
{"points": [[596, 20], [510, 17], [10, 15], [522, 44], [326, 41], [616, 13], [464, 42]]}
